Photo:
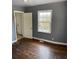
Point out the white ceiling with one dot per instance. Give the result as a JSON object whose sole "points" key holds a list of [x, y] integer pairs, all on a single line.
{"points": [[33, 2]]}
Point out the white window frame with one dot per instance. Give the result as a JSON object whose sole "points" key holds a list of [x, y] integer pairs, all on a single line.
{"points": [[50, 20]]}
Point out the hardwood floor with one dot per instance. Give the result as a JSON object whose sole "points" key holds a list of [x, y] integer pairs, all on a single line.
{"points": [[33, 49]]}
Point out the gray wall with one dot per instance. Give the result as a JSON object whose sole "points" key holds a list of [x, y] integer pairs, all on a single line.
{"points": [[13, 23], [59, 21]]}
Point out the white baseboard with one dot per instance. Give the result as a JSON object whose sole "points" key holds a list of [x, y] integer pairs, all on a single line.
{"points": [[14, 41], [60, 43]]}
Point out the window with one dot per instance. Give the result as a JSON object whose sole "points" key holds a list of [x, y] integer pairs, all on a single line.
{"points": [[44, 21]]}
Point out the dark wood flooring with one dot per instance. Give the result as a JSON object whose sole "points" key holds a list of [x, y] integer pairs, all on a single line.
{"points": [[33, 49]]}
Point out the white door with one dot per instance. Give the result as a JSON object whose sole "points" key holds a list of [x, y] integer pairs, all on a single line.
{"points": [[27, 25], [18, 23]]}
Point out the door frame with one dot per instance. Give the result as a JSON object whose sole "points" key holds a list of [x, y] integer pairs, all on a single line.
{"points": [[16, 11]]}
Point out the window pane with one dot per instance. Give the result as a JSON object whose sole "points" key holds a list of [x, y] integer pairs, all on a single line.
{"points": [[44, 21]]}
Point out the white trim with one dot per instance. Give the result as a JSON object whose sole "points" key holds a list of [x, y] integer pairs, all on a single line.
{"points": [[14, 41], [60, 43], [16, 11]]}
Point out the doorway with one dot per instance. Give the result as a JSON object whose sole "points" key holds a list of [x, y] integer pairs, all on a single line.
{"points": [[18, 16], [23, 24]]}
